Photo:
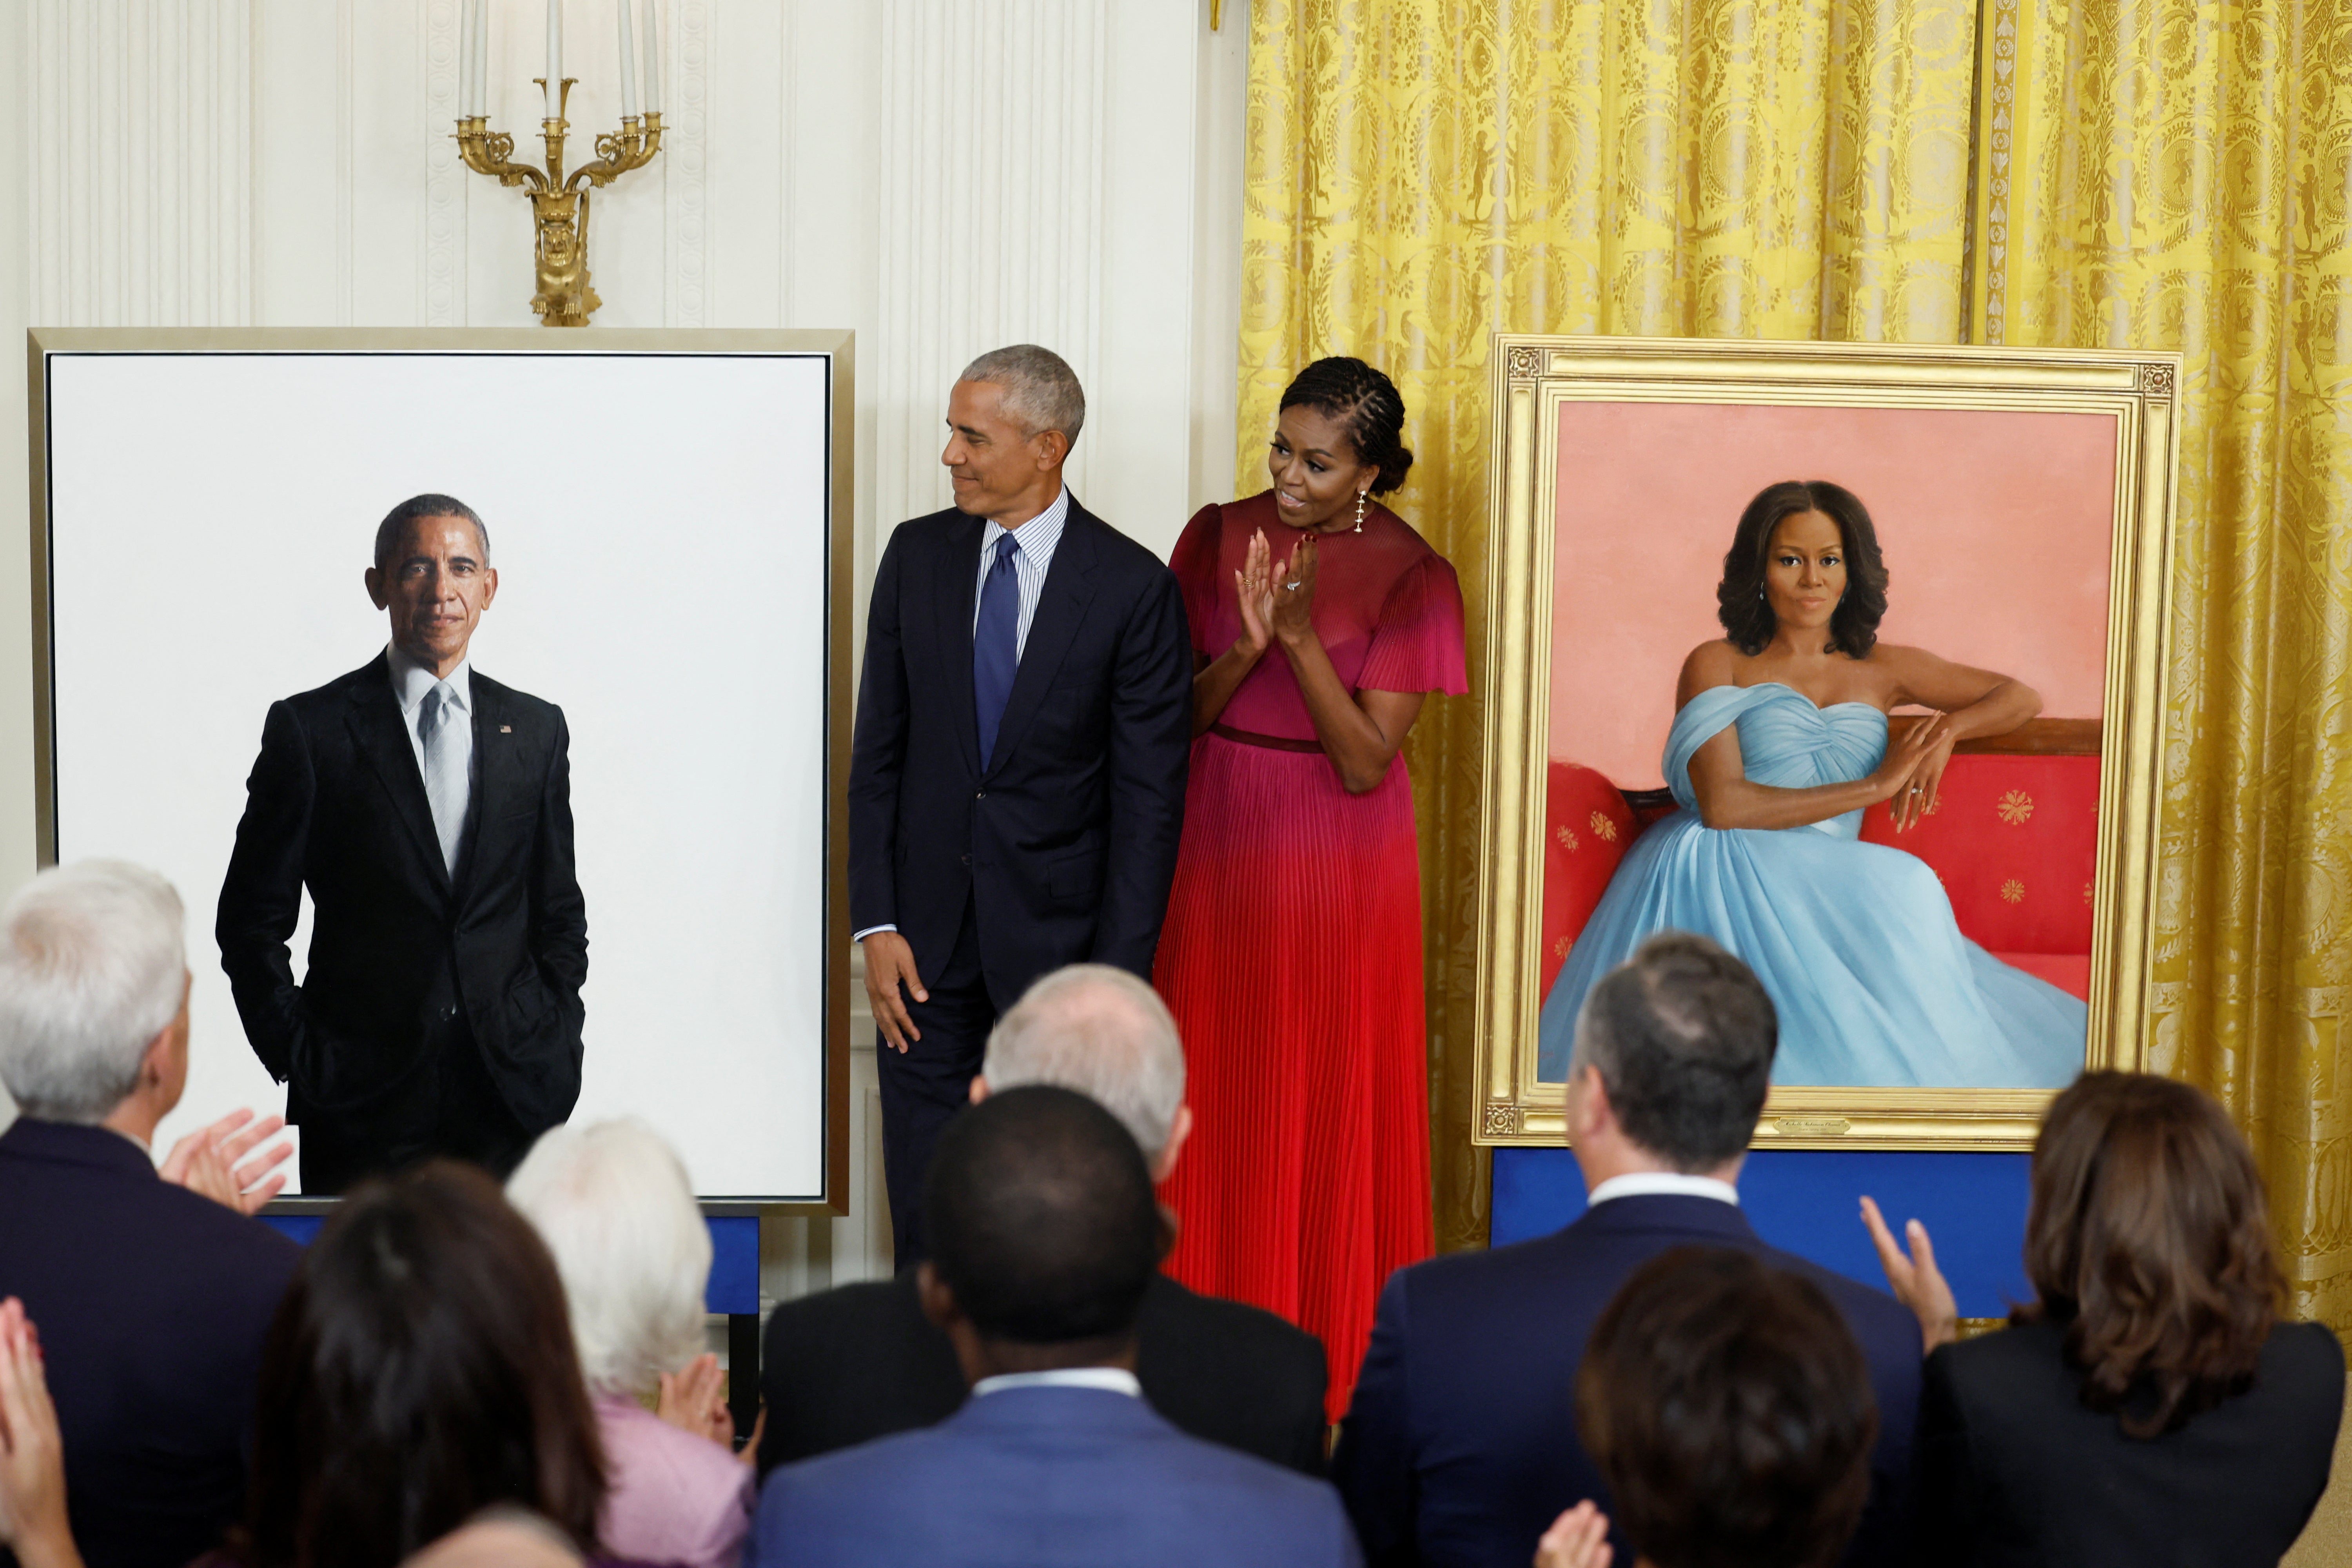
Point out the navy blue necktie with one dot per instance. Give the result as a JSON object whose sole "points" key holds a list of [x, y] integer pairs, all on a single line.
{"points": [[996, 643]]}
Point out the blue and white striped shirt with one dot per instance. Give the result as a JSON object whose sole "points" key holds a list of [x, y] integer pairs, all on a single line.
{"points": [[1038, 536]]}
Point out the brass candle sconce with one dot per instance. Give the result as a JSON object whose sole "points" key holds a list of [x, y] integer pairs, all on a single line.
{"points": [[559, 202]]}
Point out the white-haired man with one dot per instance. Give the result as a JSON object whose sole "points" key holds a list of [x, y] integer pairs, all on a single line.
{"points": [[1016, 784], [862, 1361], [152, 1289]]}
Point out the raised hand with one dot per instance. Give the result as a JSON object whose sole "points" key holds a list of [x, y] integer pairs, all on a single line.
{"points": [[208, 1162], [1293, 589], [1915, 1280], [1253, 593], [1576, 1539], [32, 1453]]}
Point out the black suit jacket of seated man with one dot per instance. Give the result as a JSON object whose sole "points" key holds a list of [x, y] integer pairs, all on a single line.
{"points": [[439, 1014], [848, 1365]]}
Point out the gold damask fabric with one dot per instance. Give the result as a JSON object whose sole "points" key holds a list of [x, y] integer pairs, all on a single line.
{"points": [[2161, 174], [1421, 173], [2174, 176]]}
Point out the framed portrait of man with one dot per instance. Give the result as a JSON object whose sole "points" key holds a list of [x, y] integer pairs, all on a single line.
{"points": [[1850, 658], [485, 695]]}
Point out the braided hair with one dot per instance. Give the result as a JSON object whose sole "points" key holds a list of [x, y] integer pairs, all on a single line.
{"points": [[1366, 405]]}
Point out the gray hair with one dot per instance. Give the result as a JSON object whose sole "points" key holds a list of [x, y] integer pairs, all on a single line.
{"points": [[1041, 390], [388, 531], [1104, 1033], [613, 1204], [93, 966], [1683, 1035]]}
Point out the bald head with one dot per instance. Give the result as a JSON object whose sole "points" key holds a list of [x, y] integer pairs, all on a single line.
{"points": [[1104, 1033]]}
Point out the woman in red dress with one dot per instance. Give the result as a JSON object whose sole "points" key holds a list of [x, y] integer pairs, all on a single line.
{"points": [[1291, 955]]}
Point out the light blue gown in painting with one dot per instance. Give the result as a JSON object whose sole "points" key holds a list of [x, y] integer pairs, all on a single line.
{"points": [[1874, 983]]}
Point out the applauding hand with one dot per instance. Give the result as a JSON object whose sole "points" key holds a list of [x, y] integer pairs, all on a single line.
{"points": [[1292, 589], [1915, 1280], [208, 1162], [32, 1453], [1253, 594], [1576, 1539]]}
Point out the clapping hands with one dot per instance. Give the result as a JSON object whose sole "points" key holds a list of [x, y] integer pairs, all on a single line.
{"points": [[208, 1162], [1274, 601], [695, 1400]]}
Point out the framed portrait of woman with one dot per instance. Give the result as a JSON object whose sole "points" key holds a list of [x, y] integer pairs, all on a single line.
{"points": [[1852, 657]]}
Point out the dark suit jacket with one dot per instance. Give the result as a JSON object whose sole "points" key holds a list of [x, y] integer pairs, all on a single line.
{"points": [[336, 803], [846, 1366], [152, 1303], [1064, 841], [1461, 1446], [2014, 1471], [1047, 1477]]}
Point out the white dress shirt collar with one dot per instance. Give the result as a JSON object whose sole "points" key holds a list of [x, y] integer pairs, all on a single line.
{"points": [[1109, 1379], [1654, 1184], [1037, 536], [411, 680]]}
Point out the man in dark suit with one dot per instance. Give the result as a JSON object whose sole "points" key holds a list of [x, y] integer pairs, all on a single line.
{"points": [[1016, 787], [428, 810], [1045, 1237], [151, 1290], [1460, 1446], [845, 1366]]}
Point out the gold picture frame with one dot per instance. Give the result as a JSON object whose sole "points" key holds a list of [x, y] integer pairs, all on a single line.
{"points": [[1534, 378]]}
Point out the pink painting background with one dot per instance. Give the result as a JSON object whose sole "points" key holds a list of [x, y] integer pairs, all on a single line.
{"points": [[1995, 525]]}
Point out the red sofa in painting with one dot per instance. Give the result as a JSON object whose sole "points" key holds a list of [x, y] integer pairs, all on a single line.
{"points": [[2014, 838]]}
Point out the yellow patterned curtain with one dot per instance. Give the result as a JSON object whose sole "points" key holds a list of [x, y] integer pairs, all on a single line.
{"points": [[2176, 177], [1424, 173]]}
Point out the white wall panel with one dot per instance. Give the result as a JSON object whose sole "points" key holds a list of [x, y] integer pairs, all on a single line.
{"points": [[943, 177]]}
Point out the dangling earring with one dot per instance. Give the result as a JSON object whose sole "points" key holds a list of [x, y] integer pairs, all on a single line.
{"points": [[1360, 510]]}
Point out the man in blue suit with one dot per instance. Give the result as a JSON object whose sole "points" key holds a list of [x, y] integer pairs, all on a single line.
{"points": [[1044, 1238], [1461, 1447]]}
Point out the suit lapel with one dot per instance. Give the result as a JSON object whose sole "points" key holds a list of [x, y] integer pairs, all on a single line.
{"points": [[950, 615], [495, 778], [375, 724], [1061, 610]]}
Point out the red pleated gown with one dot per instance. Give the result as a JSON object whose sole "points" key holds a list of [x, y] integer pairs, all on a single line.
{"points": [[1291, 955]]}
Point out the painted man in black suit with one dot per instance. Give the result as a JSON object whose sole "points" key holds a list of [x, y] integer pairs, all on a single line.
{"points": [[428, 810], [1460, 1446], [848, 1365], [1017, 782]]}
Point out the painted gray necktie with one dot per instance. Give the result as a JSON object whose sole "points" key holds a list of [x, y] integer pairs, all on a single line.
{"points": [[445, 773]]}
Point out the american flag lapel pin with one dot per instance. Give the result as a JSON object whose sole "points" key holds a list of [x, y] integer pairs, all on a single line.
{"points": [[506, 729]]}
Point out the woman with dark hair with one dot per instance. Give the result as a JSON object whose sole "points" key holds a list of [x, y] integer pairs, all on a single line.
{"points": [[2148, 1406], [419, 1375], [1291, 955], [1780, 742], [1729, 1408]]}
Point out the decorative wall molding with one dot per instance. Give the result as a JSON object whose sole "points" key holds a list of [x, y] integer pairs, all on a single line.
{"points": [[142, 158], [441, 274], [990, 197], [686, 155]]}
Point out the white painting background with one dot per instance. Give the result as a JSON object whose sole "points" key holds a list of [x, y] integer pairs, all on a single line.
{"points": [[658, 525]]}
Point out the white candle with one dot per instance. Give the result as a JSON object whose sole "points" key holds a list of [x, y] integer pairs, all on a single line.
{"points": [[653, 57], [554, 59], [477, 94], [628, 65]]}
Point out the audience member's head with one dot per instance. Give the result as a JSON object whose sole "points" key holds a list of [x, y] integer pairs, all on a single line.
{"points": [[1108, 1035], [615, 1206], [1673, 1055], [420, 1371], [1043, 1231], [1729, 1408], [94, 995], [2148, 1237]]}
